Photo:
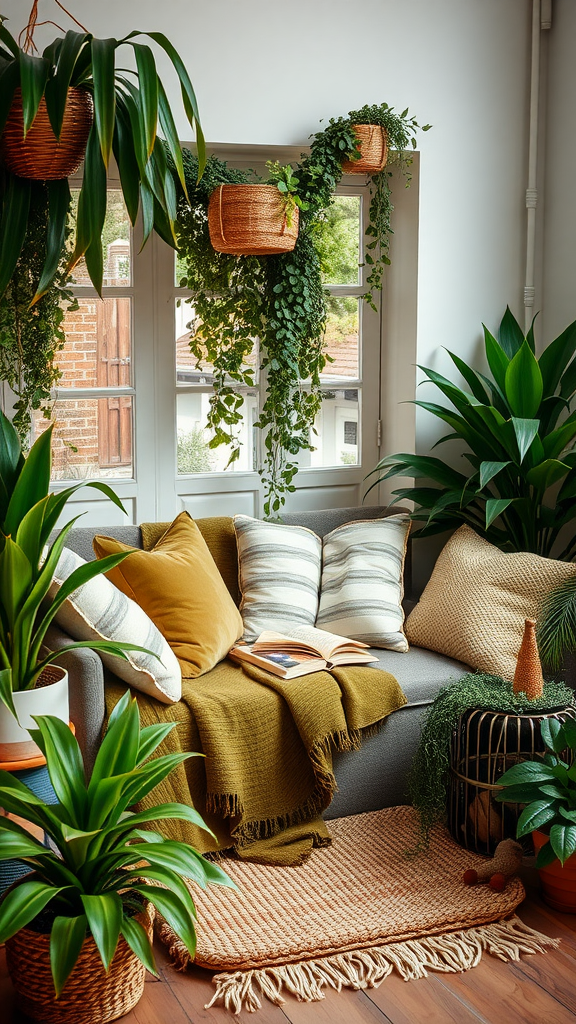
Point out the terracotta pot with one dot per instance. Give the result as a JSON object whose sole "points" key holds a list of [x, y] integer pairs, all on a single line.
{"points": [[50, 698], [250, 220], [558, 881], [373, 144], [41, 156]]}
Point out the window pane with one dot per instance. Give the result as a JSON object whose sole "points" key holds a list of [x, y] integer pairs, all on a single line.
{"points": [[187, 371], [97, 351], [337, 441], [342, 337], [92, 438], [194, 455], [340, 241], [116, 242]]}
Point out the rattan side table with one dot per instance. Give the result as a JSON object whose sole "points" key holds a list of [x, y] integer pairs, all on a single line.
{"points": [[484, 745]]}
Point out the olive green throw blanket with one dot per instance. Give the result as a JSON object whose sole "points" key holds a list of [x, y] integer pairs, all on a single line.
{"points": [[268, 743]]}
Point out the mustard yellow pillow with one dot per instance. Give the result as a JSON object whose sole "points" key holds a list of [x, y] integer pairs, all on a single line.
{"points": [[475, 603], [180, 589]]}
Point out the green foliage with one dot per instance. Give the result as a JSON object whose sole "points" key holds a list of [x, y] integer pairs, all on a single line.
{"points": [[430, 768], [557, 625], [109, 863], [28, 515], [127, 108], [30, 336], [520, 446], [548, 788], [193, 452]]}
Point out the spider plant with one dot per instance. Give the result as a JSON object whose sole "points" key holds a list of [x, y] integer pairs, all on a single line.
{"points": [[106, 856]]}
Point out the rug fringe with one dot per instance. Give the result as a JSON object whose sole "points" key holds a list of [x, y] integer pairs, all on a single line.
{"points": [[450, 953]]}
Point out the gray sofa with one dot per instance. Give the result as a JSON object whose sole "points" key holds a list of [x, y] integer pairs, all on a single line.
{"points": [[370, 778]]}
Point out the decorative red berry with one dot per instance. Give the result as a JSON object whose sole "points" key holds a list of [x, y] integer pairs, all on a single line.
{"points": [[470, 877], [497, 882]]}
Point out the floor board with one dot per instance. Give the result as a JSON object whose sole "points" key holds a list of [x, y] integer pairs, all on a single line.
{"points": [[539, 989]]}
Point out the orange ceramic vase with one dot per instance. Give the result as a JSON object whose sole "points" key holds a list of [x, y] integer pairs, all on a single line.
{"points": [[558, 881]]}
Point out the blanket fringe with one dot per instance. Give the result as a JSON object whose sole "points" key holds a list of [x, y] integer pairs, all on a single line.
{"points": [[450, 953]]}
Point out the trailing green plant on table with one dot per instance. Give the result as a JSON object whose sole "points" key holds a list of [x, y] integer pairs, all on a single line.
{"points": [[276, 301], [519, 434], [109, 862], [127, 106]]}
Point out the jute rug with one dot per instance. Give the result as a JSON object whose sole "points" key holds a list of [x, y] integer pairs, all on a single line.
{"points": [[350, 915]]}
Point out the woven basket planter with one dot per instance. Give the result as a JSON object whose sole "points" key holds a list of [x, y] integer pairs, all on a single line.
{"points": [[373, 148], [250, 220], [90, 996], [41, 155]]}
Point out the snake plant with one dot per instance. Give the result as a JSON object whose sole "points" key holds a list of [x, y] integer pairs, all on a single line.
{"points": [[127, 108], [518, 431], [28, 515], [108, 861]]}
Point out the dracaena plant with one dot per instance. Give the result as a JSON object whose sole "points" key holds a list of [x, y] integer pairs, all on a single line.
{"points": [[548, 787], [108, 864], [28, 515], [127, 108], [519, 486]]}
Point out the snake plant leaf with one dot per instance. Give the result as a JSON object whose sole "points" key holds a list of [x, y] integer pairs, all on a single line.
{"points": [[563, 841], [22, 905], [66, 941], [510, 334], [56, 92], [118, 752], [6, 693], [488, 470], [495, 507], [535, 815], [65, 765], [13, 225], [525, 431], [556, 357], [523, 383], [547, 473], [173, 912], [498, 361], [103, 57], [32, 483], [104, 914], [59, 198], [33, 77], [15, 580], [139, 943]]}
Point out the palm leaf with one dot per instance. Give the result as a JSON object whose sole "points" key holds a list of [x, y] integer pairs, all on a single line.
{"points": [[556, 631]]}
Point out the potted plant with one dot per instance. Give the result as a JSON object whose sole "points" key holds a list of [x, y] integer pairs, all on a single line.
{"points": [[520, 490], [257, 219], [547, 786], [78, 930], [39, 96], [28, 515]]}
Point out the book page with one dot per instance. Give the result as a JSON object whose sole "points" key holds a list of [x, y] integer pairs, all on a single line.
{"points": [[319, 640]]}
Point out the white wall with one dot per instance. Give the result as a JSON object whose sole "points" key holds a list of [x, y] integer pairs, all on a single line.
{"points": [[267, 72]]}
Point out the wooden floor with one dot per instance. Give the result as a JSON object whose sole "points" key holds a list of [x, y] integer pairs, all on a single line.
{"points": [[540, 989]]}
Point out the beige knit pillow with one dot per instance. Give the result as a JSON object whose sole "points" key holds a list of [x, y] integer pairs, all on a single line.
{"points": [[475, 603]]}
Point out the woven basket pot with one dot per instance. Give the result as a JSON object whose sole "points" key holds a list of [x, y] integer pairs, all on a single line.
{"points": [[90, 996], [41, 155], [250, 220], [373, 148]]}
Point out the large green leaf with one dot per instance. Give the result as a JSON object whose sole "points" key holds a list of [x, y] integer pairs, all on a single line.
{"points": [[57, 502], [123, 147], [556, 357], [13, 225], [526, 772], [15, 580], [104, 913], [22, 905], [525, 431], [555, 442], [534, 816], [30, 531], [6, 692], [118, 751], [563, 841], [497, 359], [170, 133], [103, 56], [523, 383], [33, 77], [547, 473], [174, 913], [66, 940], [495, 507], [151, 737], [553, 734], [510, 334], [488, 470], [139, 943], [33, 482], [91, 210], [471, 377], [58, 85], [148, 87], [58, 206], [14, 846], [65, 765]]}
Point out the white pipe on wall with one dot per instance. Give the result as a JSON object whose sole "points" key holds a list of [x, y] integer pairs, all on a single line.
{"points": [[541, 19]]}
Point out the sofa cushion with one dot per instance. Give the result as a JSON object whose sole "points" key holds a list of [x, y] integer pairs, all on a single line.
{"points": [[178, 585], [218, 532], [421, 673], [476, 601]]}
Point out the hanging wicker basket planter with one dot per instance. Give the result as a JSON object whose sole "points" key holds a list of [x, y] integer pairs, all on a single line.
{"points": [[373, 144], [250, 220], [41, 155], [90, 996]]}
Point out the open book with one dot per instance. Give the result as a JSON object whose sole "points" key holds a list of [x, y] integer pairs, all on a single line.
{"points": [[306, 650]]}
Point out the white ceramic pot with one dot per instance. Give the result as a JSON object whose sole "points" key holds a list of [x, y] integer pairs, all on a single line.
{"points": [[49, 698]]}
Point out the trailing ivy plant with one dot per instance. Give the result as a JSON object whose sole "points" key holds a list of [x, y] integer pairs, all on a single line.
{"points": [[279, 300], [30, 336]]}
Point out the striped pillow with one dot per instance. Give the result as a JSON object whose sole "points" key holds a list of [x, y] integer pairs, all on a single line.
{"points": [[279, 571], [362, 581], [99, 611]]}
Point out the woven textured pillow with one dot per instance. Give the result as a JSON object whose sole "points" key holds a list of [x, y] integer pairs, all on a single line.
{"points": [[179, 587], [279, 572], [99, 611], [362, 581], [474, 606]]}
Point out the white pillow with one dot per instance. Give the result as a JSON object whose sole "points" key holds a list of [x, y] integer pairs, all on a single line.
{"points": [[99, 611], [362, 581], [279, 575]]}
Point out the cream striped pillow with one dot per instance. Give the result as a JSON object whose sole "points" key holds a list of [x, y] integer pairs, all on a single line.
{"points": [[362, 581], [279, 575]]}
